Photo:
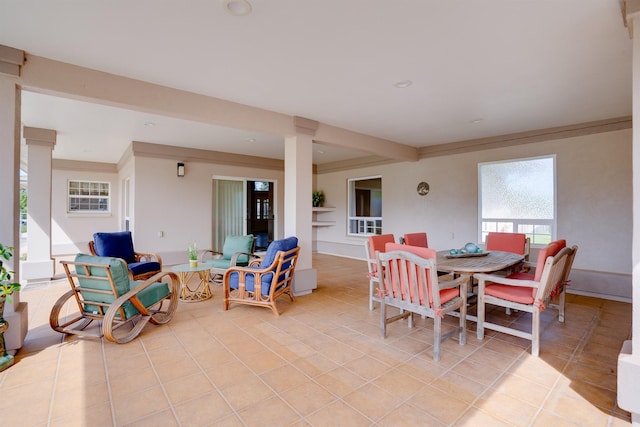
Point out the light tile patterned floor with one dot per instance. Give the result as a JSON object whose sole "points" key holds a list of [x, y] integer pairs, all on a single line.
{"points": [[322, 362]]}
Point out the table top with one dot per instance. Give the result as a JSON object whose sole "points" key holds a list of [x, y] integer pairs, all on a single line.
{"points": [[493, 261], [185, 268]]}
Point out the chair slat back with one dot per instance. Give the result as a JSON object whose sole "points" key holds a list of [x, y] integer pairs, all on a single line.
{"points": [[407, 277], [374, 244], [97, 282], [552, 274]]}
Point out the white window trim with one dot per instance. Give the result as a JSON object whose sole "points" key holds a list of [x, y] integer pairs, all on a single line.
{"points": [[88, 213], [553, 223]]}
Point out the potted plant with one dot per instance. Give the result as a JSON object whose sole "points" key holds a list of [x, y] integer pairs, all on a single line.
{"points": [[193, 255], [7, 288], [318, 198]]}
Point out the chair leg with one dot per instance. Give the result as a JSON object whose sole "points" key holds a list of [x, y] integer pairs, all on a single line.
{"points": [[383, 318], [437, 334], [561, 302], [535, 333], [371, 285], [463, 325], [480, 314]]}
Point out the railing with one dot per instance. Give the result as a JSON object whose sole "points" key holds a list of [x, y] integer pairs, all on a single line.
{"points": [[365, 226]]}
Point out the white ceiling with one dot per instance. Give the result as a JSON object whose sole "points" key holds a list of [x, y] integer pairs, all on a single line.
{"points": [[479, 68]]}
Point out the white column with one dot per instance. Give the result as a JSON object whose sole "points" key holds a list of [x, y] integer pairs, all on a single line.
{"points": [[39, 263], [16, 314], [629, 358], [298, 174]]}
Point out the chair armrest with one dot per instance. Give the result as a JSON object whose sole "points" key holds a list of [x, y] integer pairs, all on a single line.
{"points": [[214, 254], [482, 278], [148, 256], [234, 258]]}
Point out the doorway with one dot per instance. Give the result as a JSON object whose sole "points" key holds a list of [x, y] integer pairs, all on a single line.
{"points": [[243, 206]]}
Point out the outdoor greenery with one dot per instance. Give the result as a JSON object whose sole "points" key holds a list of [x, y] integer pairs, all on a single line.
{"points": [[7, 288]]}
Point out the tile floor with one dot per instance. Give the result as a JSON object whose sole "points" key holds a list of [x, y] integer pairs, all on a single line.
{"points": [[322, 362]]}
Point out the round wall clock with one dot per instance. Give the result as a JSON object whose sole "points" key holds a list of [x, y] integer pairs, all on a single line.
{"points": [[423, 188]]}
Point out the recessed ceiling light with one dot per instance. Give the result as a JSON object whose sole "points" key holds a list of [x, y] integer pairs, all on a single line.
{"points": [[476, 121], [251, 140], [149, 124], [403, 83], [237, 7], [320, 152]]}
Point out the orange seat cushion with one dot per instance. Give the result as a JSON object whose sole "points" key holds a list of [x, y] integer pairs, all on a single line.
{"points": [[506, 242], [521, 294], [416, 239]]}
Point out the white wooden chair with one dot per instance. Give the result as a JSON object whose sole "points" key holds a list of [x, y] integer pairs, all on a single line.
{"points": [[409, 281], [528, 295]]}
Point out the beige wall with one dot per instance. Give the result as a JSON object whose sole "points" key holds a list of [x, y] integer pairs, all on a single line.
{"points": [[594, 203], [182, 207]]}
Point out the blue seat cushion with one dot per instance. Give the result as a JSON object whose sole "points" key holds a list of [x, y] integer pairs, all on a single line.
{"points": [[250, 281], [118, 244], [138, 268]]}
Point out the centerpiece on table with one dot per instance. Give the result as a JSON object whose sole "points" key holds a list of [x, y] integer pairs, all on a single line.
{"points": [[193, 255]]}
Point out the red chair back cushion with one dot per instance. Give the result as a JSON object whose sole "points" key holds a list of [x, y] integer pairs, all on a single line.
{"points": [[416, 239], [506, 242]]}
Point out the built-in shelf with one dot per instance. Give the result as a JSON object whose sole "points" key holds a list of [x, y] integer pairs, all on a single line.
{"points": [[319, 211]]}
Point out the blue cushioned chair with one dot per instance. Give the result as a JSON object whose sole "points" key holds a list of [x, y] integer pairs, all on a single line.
{"points": [[236, 251], [120, 245], [262, 284], [104, 292]]}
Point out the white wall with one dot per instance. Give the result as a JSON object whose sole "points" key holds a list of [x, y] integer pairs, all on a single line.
{"points": [[594, 204]]}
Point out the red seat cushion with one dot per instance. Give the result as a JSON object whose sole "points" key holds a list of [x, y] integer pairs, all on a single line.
{"points": [[521, 294], [506, 242]]}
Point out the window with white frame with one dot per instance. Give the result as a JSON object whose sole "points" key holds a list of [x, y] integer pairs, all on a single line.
{"points": [[518, 196], [365, 206], [89, 197]]}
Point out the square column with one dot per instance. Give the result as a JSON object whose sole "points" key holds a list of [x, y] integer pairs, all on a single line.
{"points": [[39, 263], [298, 174]]}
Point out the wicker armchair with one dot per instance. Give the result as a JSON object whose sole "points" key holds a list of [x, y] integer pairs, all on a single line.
{"points": [[236, 251], [262, 284], [101, 290], [120, 245]]}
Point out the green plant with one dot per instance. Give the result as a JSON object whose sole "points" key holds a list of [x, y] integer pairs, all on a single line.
{"points": [[7, 288], [317, 197], [193, 251]]}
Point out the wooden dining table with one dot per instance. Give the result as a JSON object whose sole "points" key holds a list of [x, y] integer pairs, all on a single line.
{"points": [[486, 262]]}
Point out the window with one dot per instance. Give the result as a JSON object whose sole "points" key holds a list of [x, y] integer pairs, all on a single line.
{"points": [[365, 206], [89, 196], [518, 196]]}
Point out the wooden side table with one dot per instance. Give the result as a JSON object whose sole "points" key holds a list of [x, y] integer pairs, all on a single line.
{"points": [[202, 291]]}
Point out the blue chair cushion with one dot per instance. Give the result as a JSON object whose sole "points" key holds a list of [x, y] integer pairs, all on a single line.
{"points": [[118, 244], [138, 268], [275, 246], [278, 245]]}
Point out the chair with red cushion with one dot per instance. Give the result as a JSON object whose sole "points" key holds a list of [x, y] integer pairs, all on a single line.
{"points": [[371, 245], [518, 243], [524, 293], [409, 281], [416, 239]]}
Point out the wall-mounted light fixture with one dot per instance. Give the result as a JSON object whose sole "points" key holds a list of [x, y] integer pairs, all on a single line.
{"points": [[180, 169]]}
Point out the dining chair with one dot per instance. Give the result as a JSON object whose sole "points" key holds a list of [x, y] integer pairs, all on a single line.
{"points": [[415, 239], [371, 245], [409, 282], [119, 244], [525, 294]]}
